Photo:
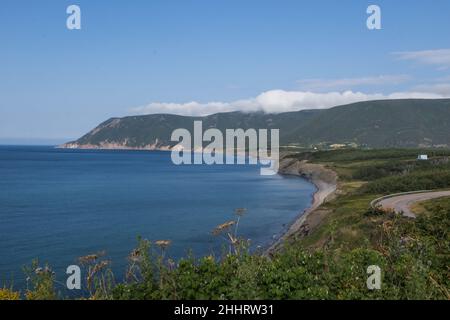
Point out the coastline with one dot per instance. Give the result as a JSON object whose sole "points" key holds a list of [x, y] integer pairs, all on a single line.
{"points": [[325, 181], [154, 147], [112, 146]]}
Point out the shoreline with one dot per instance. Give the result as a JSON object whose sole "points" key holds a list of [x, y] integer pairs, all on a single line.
{"points": [[111, 146], [155, 147], [325, 180]]}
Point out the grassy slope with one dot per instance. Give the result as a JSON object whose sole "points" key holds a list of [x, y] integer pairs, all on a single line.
{"points": [[364, 176], [435, 205], [391, 123]]}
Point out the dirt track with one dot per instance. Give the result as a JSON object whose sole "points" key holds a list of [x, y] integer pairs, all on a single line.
{"points": [[403, 203]]}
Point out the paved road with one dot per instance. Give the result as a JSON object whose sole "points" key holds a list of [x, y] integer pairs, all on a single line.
{"points": [[404, 202]]}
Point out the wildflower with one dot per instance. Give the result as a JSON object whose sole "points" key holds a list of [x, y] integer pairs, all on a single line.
{"points": [[223, 227], [135, 255], [100, 266], [40, 270], [91, 258], [88, 259], [163, 244]]}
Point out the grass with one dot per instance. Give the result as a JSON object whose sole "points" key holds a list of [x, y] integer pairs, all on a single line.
{"points": [[344, 226], [365, 175], [433, 205], [358, 156]]}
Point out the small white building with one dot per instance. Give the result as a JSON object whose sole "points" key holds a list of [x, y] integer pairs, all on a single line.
{"points": [[422, 157]]}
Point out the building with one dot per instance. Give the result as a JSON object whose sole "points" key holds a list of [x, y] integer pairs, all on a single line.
{"points": [[422, 157], [338, 146]]}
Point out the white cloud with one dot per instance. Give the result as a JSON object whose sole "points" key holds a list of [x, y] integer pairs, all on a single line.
{"points": [[440, 58], [188, 109], [276, 101], [347, 83]]}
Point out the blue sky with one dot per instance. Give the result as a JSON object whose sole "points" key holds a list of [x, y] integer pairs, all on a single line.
{"points": [[204, 56]]}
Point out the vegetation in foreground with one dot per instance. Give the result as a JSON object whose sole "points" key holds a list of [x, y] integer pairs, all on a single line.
{"points": [[329, 263]]}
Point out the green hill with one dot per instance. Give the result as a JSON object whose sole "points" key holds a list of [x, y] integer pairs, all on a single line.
{"points": [[384, 123], [388, 123]]}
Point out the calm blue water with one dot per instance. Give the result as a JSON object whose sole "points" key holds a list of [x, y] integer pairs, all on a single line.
{"points": [[58, 205]]}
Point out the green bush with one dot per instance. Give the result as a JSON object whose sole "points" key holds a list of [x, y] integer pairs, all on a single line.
{"points": [[411, 255], [428, 180]]}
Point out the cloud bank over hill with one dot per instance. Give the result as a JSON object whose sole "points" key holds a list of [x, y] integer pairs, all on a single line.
{"points": [[277, 101], [324, 93]]}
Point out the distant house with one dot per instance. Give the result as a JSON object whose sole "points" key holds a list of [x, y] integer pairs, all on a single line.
{"points": [[422, 157], [337, 146]]}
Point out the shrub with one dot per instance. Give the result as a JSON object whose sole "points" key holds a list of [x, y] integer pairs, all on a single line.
{"points": [[42, 280], [8, 294]]}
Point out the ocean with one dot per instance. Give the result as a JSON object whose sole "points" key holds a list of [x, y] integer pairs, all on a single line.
{"points": [[57, 205]]}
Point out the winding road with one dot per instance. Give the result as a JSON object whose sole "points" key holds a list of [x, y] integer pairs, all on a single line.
{"points": [[403, 203]]}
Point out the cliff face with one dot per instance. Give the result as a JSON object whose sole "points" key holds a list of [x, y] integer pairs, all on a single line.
{"points": [[134, 133], [387, 123], [116, 146], [325, 181], [316, 173]]}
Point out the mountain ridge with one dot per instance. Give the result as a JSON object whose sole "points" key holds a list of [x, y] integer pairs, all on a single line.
{"points": [[376, 124]]}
